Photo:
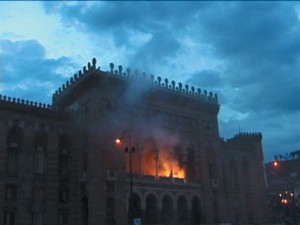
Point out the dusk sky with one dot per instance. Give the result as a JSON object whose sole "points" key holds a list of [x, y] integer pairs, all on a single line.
{"points": [[246, 52]]}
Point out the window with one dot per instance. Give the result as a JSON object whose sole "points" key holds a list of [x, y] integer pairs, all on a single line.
{"points": [[37, 195], [41, 136], [37, 218], [13, 162], [11, 193], [9, 218], [63, 165], [234, 173], [39, 162], [64, 196], [63, 218], [15, 135]]}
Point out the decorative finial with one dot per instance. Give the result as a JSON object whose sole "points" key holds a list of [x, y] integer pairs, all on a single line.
{"points": [[128, 71], [94, 62], [173, 84], [166, 83], [111, 68], [180, 86], [120, 70], [159, 81]]}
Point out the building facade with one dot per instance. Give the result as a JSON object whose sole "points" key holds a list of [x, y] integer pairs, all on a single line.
{"points": [[60, 164]]}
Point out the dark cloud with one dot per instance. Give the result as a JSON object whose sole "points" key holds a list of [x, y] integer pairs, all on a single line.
{"points": [[157, 51], [206, 78], [259, 43], [27, 71], [256, 43]]}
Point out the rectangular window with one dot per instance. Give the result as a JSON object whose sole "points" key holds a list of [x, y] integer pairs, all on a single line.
{"points": [[37, 218], [37, 195], [13, 162], [39, 162], [10, 193], [64, 196], [9, 218], [63, 165], [63, 218]]}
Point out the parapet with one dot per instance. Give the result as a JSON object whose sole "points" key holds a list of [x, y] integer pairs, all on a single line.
{"points": [[165, 84], [158, 82], [245, 136], [78, 77], [17, 102]]}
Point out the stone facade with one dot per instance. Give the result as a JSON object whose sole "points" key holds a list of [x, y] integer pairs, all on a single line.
{"points": [[60, 164]]}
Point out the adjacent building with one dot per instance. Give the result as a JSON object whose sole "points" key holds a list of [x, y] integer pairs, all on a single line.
{"points": [[60, 164]]}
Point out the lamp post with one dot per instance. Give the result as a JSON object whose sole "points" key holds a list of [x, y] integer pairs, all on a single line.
{"points": [[128, 149]]}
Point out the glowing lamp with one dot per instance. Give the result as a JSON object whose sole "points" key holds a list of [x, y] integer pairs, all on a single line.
{"points": [[118, 141]]}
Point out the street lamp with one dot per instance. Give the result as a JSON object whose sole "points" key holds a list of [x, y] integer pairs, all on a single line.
{"points": [[128, 149]]}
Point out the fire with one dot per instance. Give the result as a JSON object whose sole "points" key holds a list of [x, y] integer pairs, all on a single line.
{"points": [[162, 164]]}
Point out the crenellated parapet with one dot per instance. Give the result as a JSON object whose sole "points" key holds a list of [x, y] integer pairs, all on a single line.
{"points": [[76, 78], [180, 88], [19, 101], [120, 73], [245, 136]]}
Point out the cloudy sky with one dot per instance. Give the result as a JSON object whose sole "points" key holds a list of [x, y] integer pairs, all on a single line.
{"points": [[246, 52]]}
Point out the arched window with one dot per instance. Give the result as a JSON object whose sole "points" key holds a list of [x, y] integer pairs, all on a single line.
{"points": [[151, 211], [136, 206], [13, 162], [182, 210], [14, 140], [150, 158], [64, 156], [190, 164], [39, 161], [15, 135], [233, 173], [167, 212], [40, 146], [84, 211], [195, 211], [245, 171], [41, 137], [110, 211]]}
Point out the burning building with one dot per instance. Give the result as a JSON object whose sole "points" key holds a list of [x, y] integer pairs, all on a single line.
{"points": [[60, 163]]}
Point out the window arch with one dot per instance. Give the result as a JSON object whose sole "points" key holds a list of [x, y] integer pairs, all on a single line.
{"points": [[190, 163], [110, 211], [150, 157], [136, 206], [233, 173], [151, 211], [15, 135], [182, 210], [195, 211], [41, 137], [167, 211], [40, 144]]}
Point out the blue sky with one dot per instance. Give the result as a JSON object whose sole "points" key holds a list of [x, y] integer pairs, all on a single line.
{"points": [[247, 52]]}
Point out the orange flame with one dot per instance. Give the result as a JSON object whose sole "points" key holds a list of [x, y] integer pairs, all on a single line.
{"points": [[162, 164]]}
